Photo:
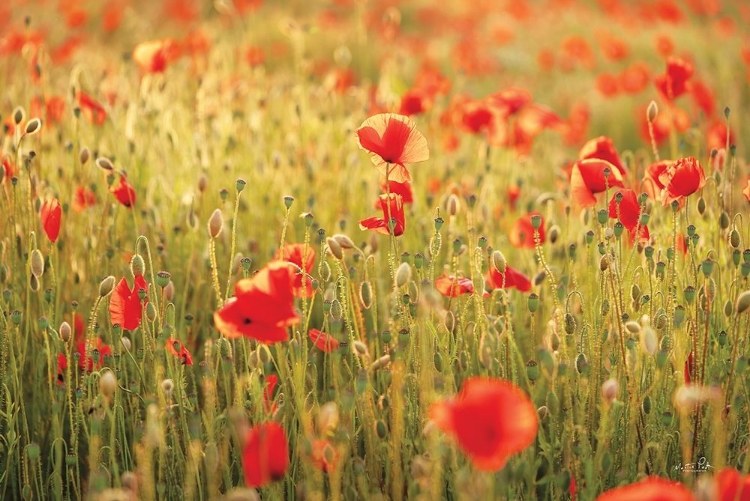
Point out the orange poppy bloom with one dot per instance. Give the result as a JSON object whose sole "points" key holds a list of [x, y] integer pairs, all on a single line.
{"points": [[635, 78], [83, 199], [124, 192], [324, 455], [323, 341], [51, 215], [154, 56], [674, 82], [91, 109], [176, 348], [651, 489], [731, 485], [703, 97], [271, 381], [263, 306], [608, 84], [509, 279], [628, 212], [393, 204], [681, 179], [613, 48], [602, 148], [491, 420], [521, 234], [393, 141], [651, 183], [716, 135], [451, 286], [265, 456], [587, 179], [304, 259]]}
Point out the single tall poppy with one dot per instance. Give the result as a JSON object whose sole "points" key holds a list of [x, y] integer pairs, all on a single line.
{"points": [[263, 306], [491, 419], [265, 456], [124, 192], [393, 142]]}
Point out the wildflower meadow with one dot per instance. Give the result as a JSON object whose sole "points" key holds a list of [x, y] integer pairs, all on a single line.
{"points": [[377, 250]]}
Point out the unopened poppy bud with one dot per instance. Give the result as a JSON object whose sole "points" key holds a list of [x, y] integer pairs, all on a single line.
{"points": [[649, 340], [33, 126], [169, 291], [701, 206], [610, 388], [65, 331], [381, 362], [105, 164], [137, 266], [554, 233], [84, 155], [403, 274], [633, 327], [106, 286], [743, 302], [215, 223], [334, 248], [360, 348], [734, 238], [37, 263], [125, 342], [108, 384], [18, 115], [452, 205], [498, 261], [344, 241], [150, 311], [604, 263], [724, 220], [652, 111]]}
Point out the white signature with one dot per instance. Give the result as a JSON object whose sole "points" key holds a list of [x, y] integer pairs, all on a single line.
{"points": [[700, 466]]}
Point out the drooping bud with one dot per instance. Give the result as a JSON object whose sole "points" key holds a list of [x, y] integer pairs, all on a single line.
{"points": [[344, 241], [33, 126], [452, 205], [105, 164], [106, 286], [84, 155], [498, 261], [215, 223], [335, 248]]}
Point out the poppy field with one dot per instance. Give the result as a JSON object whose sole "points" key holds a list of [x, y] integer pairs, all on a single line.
{"points": [[375, 250]]}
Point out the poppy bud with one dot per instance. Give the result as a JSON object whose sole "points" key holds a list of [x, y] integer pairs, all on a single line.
{"points": [[108, 384], [18, 115], [633, 327], [335, 248], [65, 331], [360, 348], [554, 234], [381, 362], [84, 155], [610, 388], [105, 164], [652, 111], [106, 286], [125, 343], [452, 205], [734, 238], [33, 126], [403, 274], [498, 261], [344, 241], [724, 220], [649, 340], [137, 266], [701, 206], [743, 302], [215, 223], [570, 323], [37, 263]]}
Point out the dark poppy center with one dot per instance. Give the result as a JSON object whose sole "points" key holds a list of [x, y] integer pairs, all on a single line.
{"points": [[246, 321]]}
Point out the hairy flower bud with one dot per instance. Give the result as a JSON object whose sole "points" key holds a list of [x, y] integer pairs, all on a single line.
{"points": [[106, 286], [36, 263], [215, 223]]}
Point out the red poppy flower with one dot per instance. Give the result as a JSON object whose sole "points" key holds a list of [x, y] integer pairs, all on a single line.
{"points": [[650, 489], [613, 48], [51, 215], [687, 369], [263, 306], [304, 258], [522, 233], [476, 117], [510, 278], [635, 77], [154, 56], [9, 169], [628, 213], [451, 286], [124, 192], [674, 81], [587, 179], [403, 189], [431, 82], [491, 419], [85, 360], [324, 455], [91, 109], [394, 204], [83, 199], [703, 97], [509, 101], [681, 179], [111, 16], [716, 135], [414, 102], [271, 381], [602, 148], [731, 485], [125, 307], [393, 141], [62, 366], [176, 348], [54, 109], [322, 341], [608, 84], [265, 456], [651, 184], [79, 327]]}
